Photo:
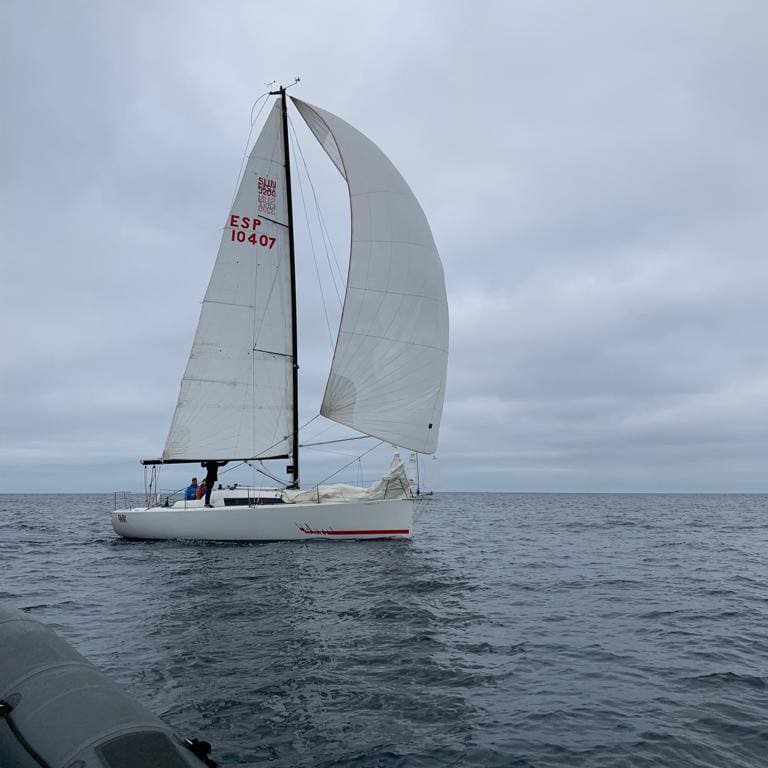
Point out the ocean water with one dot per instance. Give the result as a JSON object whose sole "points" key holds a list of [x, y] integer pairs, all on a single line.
{"points": [[513, 630]]}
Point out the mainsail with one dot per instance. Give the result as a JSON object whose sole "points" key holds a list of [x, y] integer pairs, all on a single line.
{"points": [[388, 373], [236, 397]]}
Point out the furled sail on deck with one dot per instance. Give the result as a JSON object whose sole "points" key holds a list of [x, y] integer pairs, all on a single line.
{"points": [[236, 396], [388, 373]]}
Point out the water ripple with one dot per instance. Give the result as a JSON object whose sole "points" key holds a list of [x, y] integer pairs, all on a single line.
{"points": [[514, 630]]}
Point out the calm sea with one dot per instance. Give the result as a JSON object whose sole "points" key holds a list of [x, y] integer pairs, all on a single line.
{"points": [[514, 630]]}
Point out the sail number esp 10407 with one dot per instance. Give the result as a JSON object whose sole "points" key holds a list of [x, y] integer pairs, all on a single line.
{"points": [[241, 226]]}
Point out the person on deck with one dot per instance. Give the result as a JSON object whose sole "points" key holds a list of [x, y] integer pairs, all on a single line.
{"points": [[190, 494], [211, 476], [200, 490]]}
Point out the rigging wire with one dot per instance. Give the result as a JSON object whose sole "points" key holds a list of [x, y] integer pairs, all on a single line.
{"points": [[325, 429], [304, 425], [312, 248], [340, 440], [324, 229], [334, 452], [381, 442], [263, 471], [324, 234], [244, 159]]}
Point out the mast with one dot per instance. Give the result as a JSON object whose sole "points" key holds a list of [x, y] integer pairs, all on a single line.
{"points": [[294, 467]]}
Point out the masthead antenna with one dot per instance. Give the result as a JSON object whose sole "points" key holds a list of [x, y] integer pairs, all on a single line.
{"points": [[283, 87]]}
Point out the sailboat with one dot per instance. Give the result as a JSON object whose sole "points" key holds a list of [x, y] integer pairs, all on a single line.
{"points": [[424, 488], [239, 395]]}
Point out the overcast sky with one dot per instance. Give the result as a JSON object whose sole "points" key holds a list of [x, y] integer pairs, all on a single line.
{"points": [[595, 175]]}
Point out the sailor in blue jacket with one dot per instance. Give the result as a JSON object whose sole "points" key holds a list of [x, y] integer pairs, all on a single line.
{"points": [[190, 494]]}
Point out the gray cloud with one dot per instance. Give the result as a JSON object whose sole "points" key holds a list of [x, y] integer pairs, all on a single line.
{"points": [[595, 175]]}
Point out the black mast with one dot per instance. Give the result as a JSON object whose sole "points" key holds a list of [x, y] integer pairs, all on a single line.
{"points": [[294, 468]]}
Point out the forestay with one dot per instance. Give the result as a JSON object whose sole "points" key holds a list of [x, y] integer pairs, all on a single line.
{"points": [[388, 373], [235, 399]]}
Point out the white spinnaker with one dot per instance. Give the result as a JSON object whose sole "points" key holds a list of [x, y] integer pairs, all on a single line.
{"points": [[236, 395], [388, 373]]}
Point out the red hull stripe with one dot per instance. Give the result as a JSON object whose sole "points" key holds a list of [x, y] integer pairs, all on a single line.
{"points": [[383, 532], [366, 533]]}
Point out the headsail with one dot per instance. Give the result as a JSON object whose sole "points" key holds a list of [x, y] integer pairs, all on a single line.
{"points": [[388, 373], [236, 396]]}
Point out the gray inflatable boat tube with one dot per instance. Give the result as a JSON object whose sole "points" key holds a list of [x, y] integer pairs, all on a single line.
{"points": [[58, 711]]}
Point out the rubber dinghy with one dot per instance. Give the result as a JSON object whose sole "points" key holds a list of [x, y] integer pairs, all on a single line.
{"points": [[58, 711]]}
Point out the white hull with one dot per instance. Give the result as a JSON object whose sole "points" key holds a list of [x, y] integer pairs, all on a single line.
{"points": [[390, 519]]}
